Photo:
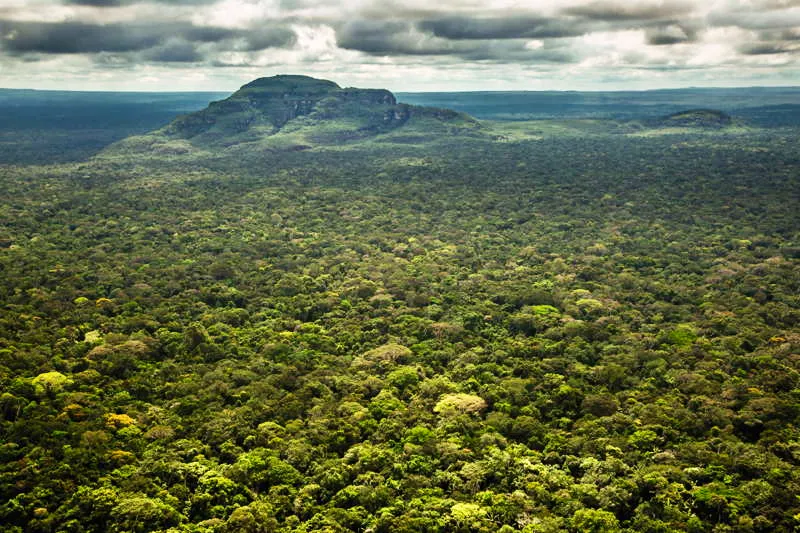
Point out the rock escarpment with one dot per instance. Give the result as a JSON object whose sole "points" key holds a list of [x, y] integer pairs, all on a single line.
{"points": [[267, 105]]}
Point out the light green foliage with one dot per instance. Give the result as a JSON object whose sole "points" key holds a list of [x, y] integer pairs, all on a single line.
{"points": [[51, 382], [468, 514], [305, 326], [92, 336], [255, 518], [683, 335], [594, 521], [403, 378], [589, 304], [383, 357], [644, 439], [419, 435], [259, 468], [138, 514], [452, 404], [534, 319]]}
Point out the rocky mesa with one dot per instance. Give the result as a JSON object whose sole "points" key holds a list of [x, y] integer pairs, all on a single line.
{"points": [[289, 112]]}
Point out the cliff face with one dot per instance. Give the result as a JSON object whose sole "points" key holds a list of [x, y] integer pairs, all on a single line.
{"points": [[266, 105]]}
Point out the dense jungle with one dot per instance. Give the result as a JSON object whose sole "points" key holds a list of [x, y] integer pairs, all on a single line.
{"points": [[309, 308]]}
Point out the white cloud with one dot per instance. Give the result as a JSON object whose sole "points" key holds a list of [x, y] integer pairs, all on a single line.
{"points": [[408, 44], [237, 13]]}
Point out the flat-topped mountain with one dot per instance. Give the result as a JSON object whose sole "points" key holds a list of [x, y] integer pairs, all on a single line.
{"points": [[289, 112], [267, 104]]}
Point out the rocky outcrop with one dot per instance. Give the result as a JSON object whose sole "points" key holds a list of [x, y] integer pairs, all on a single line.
{"points": [[275, 101]]}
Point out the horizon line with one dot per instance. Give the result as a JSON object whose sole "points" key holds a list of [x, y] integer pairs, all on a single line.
{"points": [[686, 88]]}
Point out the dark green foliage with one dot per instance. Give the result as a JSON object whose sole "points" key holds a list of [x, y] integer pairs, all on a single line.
{"points": [[697, 118], [60, 126], [576, 333]]}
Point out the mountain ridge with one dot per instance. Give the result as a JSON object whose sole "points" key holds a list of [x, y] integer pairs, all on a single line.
{"points": [[307, 110]]}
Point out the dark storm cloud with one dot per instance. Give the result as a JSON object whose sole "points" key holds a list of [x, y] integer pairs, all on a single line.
{"points": [[204, 34], [390, 38], [76, 37], [404, 38], [519, 54], [83, 38], [612, 11], [501, 28], [664, 36], [762, 49], [467, 37], [661, 39], [787, 37], [174, 52], [262, 38]]}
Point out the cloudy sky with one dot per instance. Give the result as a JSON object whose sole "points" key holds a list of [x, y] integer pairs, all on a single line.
{"points": [[403, 45]]}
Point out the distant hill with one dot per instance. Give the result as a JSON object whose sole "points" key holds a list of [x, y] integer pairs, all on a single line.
{"points": [[762, 106], [697, 118]]}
